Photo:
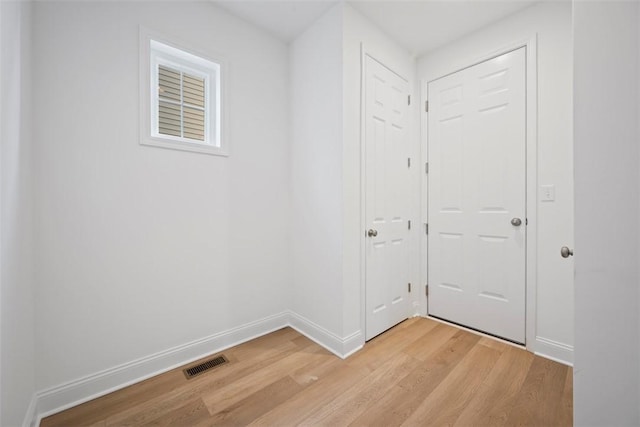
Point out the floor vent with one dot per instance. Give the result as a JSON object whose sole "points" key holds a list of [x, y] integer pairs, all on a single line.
{"points": [[204, 367]]}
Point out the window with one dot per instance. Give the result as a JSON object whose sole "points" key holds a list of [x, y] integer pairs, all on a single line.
{"points": [[181, 99], [181, 104]]}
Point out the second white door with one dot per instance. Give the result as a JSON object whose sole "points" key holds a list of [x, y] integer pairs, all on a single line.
{"points": [[477, 196], [386, 194]]}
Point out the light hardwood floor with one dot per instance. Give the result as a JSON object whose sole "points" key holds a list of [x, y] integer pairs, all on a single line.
{"points": [[419, 373]]}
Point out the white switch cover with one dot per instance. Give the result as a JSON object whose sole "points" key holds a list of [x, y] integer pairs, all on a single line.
{"points": [[548, 193]]}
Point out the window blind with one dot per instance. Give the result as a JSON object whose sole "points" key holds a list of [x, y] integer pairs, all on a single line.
{"points": [[181, 104]]}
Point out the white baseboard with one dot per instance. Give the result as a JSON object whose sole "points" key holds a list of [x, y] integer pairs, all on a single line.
{"points": [[31, 417], [352, 344], [341, 347], [556, 351], [59, 398], [56, 399], [417, 311]]}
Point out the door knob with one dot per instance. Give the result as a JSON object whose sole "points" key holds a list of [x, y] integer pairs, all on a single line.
{"points": [[566, 252], [372, 232], [516, 222]]}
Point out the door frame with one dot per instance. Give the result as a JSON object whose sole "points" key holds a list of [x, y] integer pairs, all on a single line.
{"points": [[531, 150], [366, 50]]}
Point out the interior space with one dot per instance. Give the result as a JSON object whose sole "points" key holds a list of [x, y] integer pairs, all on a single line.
{"points": [[377, 188]]}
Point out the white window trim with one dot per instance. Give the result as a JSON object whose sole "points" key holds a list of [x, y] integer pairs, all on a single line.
{"points": [[194, 62]]}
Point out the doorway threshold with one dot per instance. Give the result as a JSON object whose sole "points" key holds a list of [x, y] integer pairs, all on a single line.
{"points": [[477, 332]]}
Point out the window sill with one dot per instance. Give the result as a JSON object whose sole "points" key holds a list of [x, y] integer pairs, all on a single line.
{"points": [[193, 147]]}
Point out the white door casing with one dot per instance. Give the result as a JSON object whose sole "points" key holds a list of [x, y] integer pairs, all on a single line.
{"points": [[386, 198], [477, 185]]}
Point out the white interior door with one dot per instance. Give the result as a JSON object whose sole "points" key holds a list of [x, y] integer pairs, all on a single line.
{"points": [[477, 196], [386, 195]]}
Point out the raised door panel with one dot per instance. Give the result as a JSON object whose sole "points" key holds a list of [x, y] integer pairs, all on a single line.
{"points": [[476, 146], [386, 206]]}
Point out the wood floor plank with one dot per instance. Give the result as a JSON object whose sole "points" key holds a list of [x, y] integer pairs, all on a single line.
{"points": [[253, 406], [435, 338], [390, 345], [420, 372], [539, 398], [495, 344], [96, 411], [355, 400], [391, 334], [187, 415], [564, 414], [127, 399], [220, 398], [295, 410], [308, 374], [186, 391], [444, 404], [404, 398], [493, 403]]}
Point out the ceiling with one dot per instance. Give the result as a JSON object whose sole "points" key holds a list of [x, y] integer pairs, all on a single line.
{"points": [[419, 25], [284, 19]]}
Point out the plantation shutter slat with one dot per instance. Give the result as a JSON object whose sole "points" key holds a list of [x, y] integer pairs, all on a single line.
{"points": [[168, 83], [193, 90], [194, 123], [191, 114], [193, 85], [169, 107], [181, 104], [194, 81], [169, 119]]}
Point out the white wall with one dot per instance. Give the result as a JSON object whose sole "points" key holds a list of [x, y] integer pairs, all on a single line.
{"points": [[326, 174], [358, 32], [17, 382], [316, 173], [607, 187], [142, 249], [551, 21]]}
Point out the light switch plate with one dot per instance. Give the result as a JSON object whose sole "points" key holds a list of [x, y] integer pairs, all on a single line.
{"points": [[548, 193]]}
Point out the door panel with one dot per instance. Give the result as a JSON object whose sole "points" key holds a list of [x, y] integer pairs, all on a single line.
{"points": [[386, 187], [477, 170]]}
